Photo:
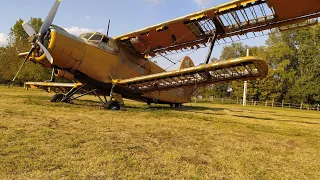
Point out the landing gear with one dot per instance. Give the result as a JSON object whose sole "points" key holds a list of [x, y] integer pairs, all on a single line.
{"points": [[115, 103], [112, 105], [57, 98], [176, 105], [53, 78]]}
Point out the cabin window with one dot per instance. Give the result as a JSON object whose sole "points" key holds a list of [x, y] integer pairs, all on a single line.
{"points": [[130, 64], [137, 68], [123, 61]]}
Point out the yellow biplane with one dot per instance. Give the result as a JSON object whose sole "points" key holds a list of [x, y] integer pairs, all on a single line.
{"points": [[120, 66]]}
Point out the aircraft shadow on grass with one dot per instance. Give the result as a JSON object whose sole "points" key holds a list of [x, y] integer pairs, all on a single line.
{"points": [[155, 107]]}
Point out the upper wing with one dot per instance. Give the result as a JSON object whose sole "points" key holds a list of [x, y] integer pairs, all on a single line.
{"points": [[234, 20], [235, 69]]}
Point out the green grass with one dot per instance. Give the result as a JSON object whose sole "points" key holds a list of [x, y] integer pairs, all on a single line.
{"points": [[43, 140]]}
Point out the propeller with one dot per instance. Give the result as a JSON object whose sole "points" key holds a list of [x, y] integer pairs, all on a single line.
{"points": [[37, 38], [25, 60], [29, 29], [49, 19]]}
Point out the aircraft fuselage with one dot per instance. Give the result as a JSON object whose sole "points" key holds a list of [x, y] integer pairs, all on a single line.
{"points": [[100, 61]]}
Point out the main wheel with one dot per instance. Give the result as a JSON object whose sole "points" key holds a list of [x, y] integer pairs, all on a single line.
{"points": [[57, 98], [113, 105]]}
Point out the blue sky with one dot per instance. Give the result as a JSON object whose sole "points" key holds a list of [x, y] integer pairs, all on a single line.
{"points": [[79, 16]]}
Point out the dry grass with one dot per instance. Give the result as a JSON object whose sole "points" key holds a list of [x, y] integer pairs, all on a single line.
{"points": [[41, 140]]}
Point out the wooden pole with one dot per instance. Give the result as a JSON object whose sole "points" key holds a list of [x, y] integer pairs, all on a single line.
{"points": [[282, 103], [272, 103], [318, 107], [301, 106]]}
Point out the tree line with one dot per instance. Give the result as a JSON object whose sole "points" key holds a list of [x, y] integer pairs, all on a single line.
{"points": [[292, 56], [294, 68]]}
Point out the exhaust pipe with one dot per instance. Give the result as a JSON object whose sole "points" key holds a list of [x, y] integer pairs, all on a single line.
{"points": [[63, 74]]}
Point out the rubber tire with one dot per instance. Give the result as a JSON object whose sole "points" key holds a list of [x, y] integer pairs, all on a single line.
{"points": [[114, 105], [57, 98]]}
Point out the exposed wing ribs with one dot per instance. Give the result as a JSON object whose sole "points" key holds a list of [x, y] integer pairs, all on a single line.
{"points": [[236, 69], [234, 21]]}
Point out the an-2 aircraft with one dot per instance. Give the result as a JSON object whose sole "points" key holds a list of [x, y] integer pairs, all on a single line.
{"points": [[119, 66]]}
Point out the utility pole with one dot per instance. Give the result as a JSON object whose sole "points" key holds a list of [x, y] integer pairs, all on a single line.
{"points": [[245, 85]]}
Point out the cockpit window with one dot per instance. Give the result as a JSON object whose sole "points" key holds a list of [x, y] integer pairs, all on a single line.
{"points": [[96, 37], [87, 36], [101, 41], [108, 44], [105, 39]]}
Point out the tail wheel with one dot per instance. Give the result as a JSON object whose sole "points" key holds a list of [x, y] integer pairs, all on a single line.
{"points": [[57, 98]]}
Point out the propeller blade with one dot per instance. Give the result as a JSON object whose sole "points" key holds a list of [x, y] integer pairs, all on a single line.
{"points": [[29, 29], [49, 19], [25, 60], [46, 52]]}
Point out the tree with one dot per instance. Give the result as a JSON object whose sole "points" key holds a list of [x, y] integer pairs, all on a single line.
{"points": [[10, 62]]}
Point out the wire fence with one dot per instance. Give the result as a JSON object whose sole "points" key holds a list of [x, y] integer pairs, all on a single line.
{"points": [[270, 103]]}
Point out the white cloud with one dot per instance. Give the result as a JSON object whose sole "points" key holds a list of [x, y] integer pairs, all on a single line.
{"points": [[154, 2], [3, 39], [77, 31], [88, 17], [203, 3]]}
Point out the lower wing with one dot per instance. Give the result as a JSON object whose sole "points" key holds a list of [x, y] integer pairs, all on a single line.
{"points": [[63, 87], [244, 68]]}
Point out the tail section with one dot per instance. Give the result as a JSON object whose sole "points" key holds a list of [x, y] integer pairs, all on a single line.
{"points": [[186, 63]]}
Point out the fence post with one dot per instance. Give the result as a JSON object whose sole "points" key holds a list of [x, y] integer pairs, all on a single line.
{"points": [[318, 107], [301, 106], [251, 101], [289, 106], [266, 104], [272, 103], [221, 99], [237, 100], [282, 103]]}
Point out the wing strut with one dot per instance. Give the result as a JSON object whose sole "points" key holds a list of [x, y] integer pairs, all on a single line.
{"points": [[219, 31], [211, 48]]}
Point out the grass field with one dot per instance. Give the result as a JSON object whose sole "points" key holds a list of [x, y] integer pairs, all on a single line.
{"points": [[42, 140]]}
